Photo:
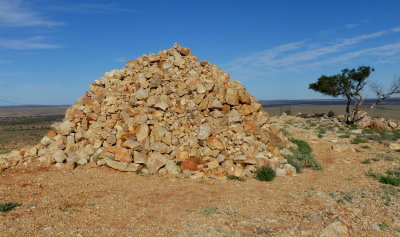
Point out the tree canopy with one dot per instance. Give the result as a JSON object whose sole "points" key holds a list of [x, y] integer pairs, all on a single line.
{"points": [[348, 84]]}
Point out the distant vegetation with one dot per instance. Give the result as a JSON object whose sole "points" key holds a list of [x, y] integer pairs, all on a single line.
{"points": [[13, 121], [349, 84]]}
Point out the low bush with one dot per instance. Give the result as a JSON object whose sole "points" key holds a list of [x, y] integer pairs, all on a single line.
{"points": [[302, 156], [302, 146], [359, 140], [367, 161], [392, 177], [392, 180], [235, 178], [331, 114], [265, 174], [5, 207]]}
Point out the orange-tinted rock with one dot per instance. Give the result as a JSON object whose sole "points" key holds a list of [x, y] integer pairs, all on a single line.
{"points": [[70, 165], [246, 109], [124, 156], [184, 51], [249, 125], [244, 98], [182, 155], [215, 143], [113, 149], [219, 175], [51, 133], [212, 165], [192, 164], [255, 106], [128, 136], [91, 117], [226, 109]]}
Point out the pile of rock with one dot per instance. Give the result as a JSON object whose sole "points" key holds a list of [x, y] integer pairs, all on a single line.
{"points": [[377, 123], [164, 113], [362, 121]]}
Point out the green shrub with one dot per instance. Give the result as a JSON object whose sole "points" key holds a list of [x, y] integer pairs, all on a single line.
{"points": [[368, 131], [345, 136], [322, 130], [303, 160], [265, 174], [385, 135], [365, 147], [371, 174], [302, 157], [235, 178], [302, 146], [5, 207], [398, 150], [331, 114], [359, 140], [392, 180], [392, 177], [295, 163], [208, 210], [352, 127], [367, 161]]}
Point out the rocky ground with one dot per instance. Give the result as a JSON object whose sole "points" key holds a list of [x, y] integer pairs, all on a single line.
{"points": [[340, 200]]}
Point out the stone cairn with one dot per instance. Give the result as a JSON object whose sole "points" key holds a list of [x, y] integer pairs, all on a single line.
{"points": [[164, 113]]}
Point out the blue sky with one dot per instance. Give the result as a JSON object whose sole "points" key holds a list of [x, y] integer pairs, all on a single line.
{"points": [[50, 51]]}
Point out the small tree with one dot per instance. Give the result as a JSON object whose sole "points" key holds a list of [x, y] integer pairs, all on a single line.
{"points": [[381, 94], [348, 84]]}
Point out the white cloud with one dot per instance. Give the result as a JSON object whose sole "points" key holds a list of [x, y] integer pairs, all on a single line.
{"points": [[4, 61], [299, 55], [89, 8], [25, 44], [13, 13], [121, 60], [385, 51], [351, 26], [396, 29]]}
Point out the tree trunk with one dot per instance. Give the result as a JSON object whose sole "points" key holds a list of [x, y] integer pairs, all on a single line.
{"points": [[348, 109], [356, 110], [348, 105]]}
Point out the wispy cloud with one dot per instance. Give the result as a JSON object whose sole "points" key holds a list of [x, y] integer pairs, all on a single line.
{"points": [[302, 55], [386, 51], [396, 29], [90, 8], [121, 60], [25, 44], [351, 26], [13, 13]]}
